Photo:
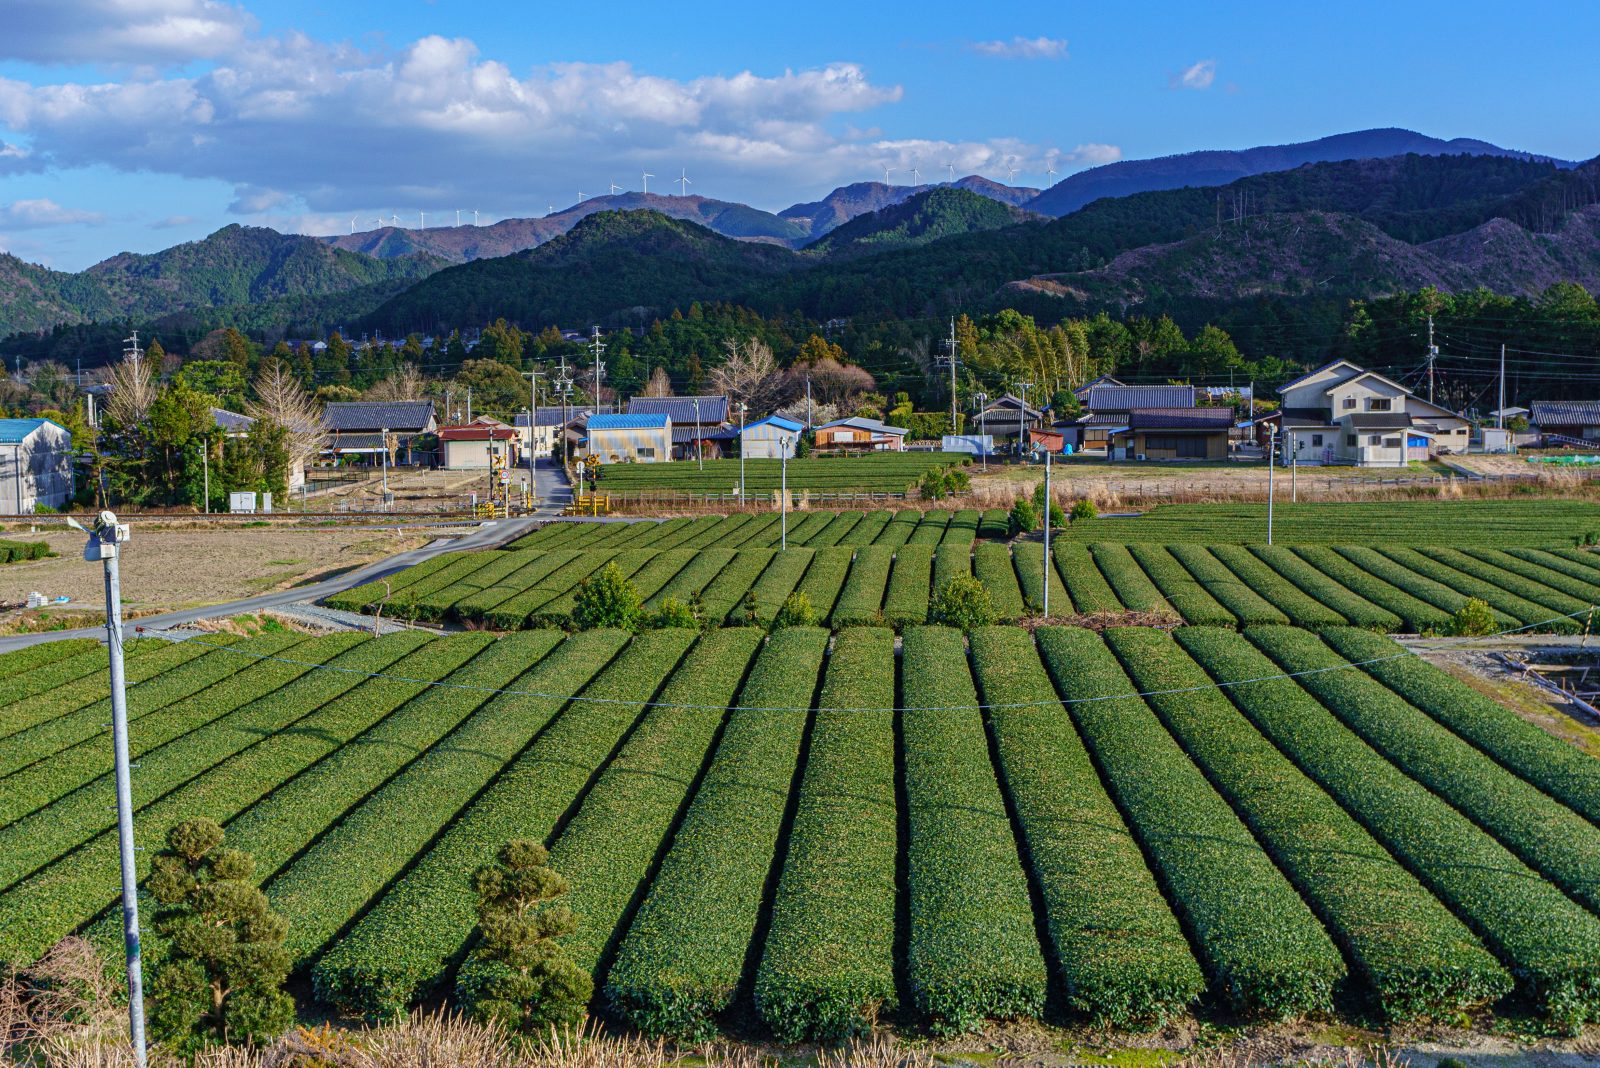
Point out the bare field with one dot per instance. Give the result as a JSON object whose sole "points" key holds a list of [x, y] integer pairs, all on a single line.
{"points": [[164, 569]]}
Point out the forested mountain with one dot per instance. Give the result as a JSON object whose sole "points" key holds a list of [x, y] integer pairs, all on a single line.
{"points": [[1220, 167], [940, 212], [820, 217]]}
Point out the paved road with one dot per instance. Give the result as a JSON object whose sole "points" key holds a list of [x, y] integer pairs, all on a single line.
{"points": [[489, 536]]}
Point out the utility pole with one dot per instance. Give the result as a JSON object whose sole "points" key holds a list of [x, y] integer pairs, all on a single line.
{"points": [[469, 404], [533, 420], [1272, 443], [783, 491], [1022, 416], [205, 471], [1433, 354], [383, 450], [950, 357], [103, 544], [699, 451], [598, 347], [810, 418], [743, 407], [1500, 416], [982, 400], [1046, 575]]}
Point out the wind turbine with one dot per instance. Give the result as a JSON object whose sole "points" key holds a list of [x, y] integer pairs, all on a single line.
{"points": [[458, 216], [683, 182], [1011, 169], [424, 219], [581, 195], [394, 220], [916, 175], [352, 224], [952, 168], [647, 176], [378, 222], [615, 189], [888, 170], [1050, 168], [474, 216]]}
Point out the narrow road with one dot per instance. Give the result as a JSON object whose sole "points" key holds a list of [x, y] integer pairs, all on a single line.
{"points": [[490, 535]]}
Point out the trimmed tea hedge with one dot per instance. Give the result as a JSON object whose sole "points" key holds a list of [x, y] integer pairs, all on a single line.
{"points": [[973, 954], [1180, 589], [860, 603], [1090, 591], [687, 584], [906, 603], [683, 957], [1032, 574], [1417, 957], [867, 531], [1325, 589], [991, 564], [931, 530], [996, 523], [1535, 593], [950, 562], [476, 606], [825, 578], [1292, 603], [1247, 605], [1265, 950], [13, 552], [1123, 573], [1420, 616], [780, 578], [828, 967], [1505, 603], [1121, 955], [1423, 587]]}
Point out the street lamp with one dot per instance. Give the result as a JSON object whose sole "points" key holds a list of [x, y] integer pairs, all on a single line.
{"points": [[1272, 450]]}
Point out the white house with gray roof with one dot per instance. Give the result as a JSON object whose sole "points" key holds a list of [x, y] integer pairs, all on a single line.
{"points": [[1341, 413]]}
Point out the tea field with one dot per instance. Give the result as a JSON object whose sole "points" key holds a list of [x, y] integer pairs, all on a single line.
{"points": [[819, 832], [874, 472]]}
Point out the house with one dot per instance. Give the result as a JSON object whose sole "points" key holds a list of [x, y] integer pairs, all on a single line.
{"points": [[1082, 392], [771, 438], [1566, 422], [628, 438], [1344, 414], [1173, 434], [860, 434], [232, 424], [477, 445], [1107, 407], [35, 465], [699, 423], [1006, 419], [357, 428], [541, 433]]}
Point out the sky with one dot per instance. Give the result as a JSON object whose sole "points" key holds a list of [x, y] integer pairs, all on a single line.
{"points": [[133, 125]]}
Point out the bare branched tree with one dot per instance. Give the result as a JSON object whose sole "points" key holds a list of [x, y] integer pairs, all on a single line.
{"points": [[751, 374], [406, 384], [133, 391], [659, 385], [280, 400]]}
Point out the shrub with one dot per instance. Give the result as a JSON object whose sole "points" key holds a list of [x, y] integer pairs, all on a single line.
{"points": [[607, 600], [796, 612], [518, 976], [1084, 509], [221, 979], [1058, 517], [932, 486], [1023, 517], [1475, 619], [964, 603], [672, 612]]}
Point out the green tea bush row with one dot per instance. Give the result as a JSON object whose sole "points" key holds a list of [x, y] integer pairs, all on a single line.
{"points": [[436, 604], [1265, 950], [87, 670], [931, 530], [898, 532], [973, 954], [1572, 579], [398, 951], [996, 523], [401, 603], [828, 966], [1292, 604], [780, 578], [1417, 957], [682, 959], [949, 562], [518, 610], [1546, 835], [557, 612], [32, 657], [1550, 942], [757, 533], [1088, 588], [1133, 587], [1535, 592], [1180, 589], [991, 565], [660, 570], [836, 530], [1436, 594], [217, 771], [1246, 605], [860, 603], [13, 552], [867, 530], [963, 528], [1504, 602], [723, 594], [1419, 616], [906, 602], [687, 584], [1121, 955], [1326, 590], [1032, 574], [475, 607]]}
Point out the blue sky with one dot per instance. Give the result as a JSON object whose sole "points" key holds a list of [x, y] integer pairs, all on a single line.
{"points": [[136, 124]]}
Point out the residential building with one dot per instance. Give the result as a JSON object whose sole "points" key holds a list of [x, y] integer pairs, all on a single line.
{"points": [[772, 438], [860, 434], [545, 429], [476, 445], [35, 465], [1006, 419], [1082, 392], [1173, 434], [357, 428], [628, 438], [1343, 414], [234, 425], [700, 424], [1108, 405], [1566, 422]]}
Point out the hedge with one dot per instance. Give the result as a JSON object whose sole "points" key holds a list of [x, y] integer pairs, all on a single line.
{"points": [[214, 772], [19, 710], [906, 603], [963, 528], [867, 530], [841, 525], [687, 536], [1292, 604], [1121, 955], [1578, 563], [973, 954], [1418, 958], [1089, 590], [1419, 615], [516, 611], [1534, 591], [1502, 600], [828, 968], [32, 657], [752, 535], [722, 594], [825, 578], [398, 951], [402, 604], [931, 530], [1191, 600], [898, 532], [12, 552], [477, 605], [1264, 949], [1246, 605], [996, 523], [1028, 559], [860, 603], [991, 564], [1550, 943], [437, 604], [1133, 587], [684, 954], [687, 584], [1423, 587], [1558, 768], [1357, 610], [1544, 568], [780, 578], [809, 525], [1546, 835], [660, 570], [557, 612], [950, 562]]}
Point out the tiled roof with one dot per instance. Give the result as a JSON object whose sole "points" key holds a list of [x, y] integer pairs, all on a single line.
{"points": [[862, 423], [1104, 380], [1180, 419], [553, 415], [1558, 413], [232, 422], [713, 409], [1010, 404], [631, 421], [1127, 398], [377, 415]]}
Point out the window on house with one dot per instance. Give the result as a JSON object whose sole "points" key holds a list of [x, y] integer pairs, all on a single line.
{"points": [[1178, 446], [647, 454], [1378, 404], [1391, 443], [1375, 439], [1349, 441], [1349, 402], [1316, 441]]}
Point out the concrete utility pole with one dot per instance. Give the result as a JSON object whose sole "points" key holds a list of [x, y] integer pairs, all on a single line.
{"points": [[1272, 449], [1046, 575], [1500, 416], [743, 407], [1022, 417], [955, 427], [783, 492], [1433, 354], [205, 472], [598, 347], [383, 449], [699, 450], [103, 544], [982, 400]]}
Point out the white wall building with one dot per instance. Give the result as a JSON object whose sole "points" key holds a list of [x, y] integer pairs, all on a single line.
{"points": [[35, 465], [1342, 414]]}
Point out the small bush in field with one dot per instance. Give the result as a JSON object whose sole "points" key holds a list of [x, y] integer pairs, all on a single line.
{"points": [[963, 602]]}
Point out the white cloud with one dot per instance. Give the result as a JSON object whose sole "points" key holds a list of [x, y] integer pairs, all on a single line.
{"points": [[174, 222], [1092, 154], [1199, 75], [1023, 48], [36, 214], [122, 32]]}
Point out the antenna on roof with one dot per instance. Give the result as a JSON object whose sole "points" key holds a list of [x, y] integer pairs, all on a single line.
{"points": [[683, 182]]}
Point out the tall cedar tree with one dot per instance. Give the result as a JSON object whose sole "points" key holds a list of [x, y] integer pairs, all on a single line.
{"points": [[519, 976], [221, 976]]}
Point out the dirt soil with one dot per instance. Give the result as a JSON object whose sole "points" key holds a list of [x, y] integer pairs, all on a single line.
{"points": [[166, 569], [414, 489]]}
